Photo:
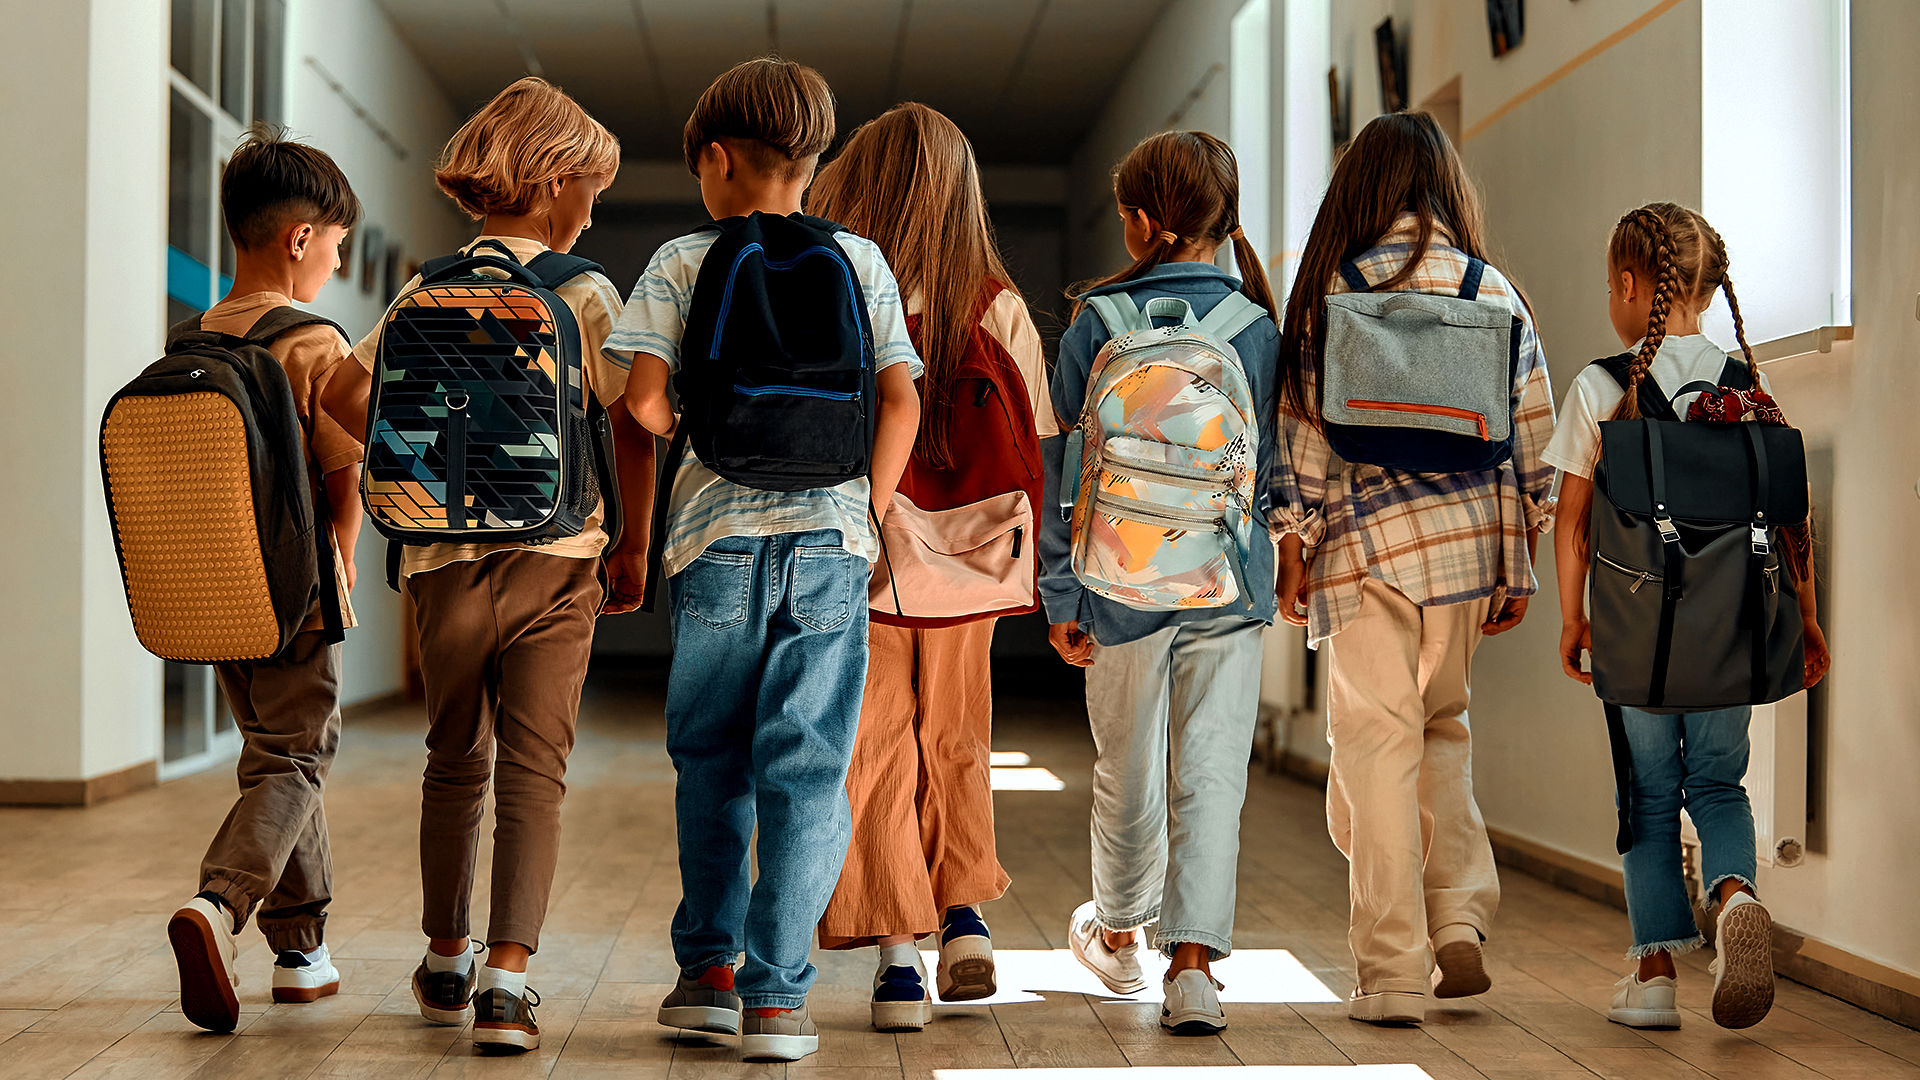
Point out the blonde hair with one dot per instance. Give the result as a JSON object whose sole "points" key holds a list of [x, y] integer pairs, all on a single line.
{"points": [[1683, 257], [776, 114], [531, 134], [908, 182]]}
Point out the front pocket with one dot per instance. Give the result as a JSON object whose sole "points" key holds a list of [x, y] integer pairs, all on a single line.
{"points": [[1150, 513], [819, 434], [1640, 577], [1479, 420], [713, 589]]}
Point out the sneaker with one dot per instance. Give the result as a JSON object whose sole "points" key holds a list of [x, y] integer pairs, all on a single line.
{"points": [[900, 999], [504, 1018], [1388, 1008], [777, 1034], [1119, 970], [203, 948], [445, 995], [966, 957], [1460, 965], [706, 1003], [1192, 1007], [302, 977], [1743, 972], [1647, 1004]]}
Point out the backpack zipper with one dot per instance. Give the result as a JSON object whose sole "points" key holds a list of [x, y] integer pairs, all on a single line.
{"points": [[1449, 411], [1148, 513], [1640, 577], [1161, 468], [797, 391]]}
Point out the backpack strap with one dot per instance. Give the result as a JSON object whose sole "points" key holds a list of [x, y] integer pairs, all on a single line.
{"points": [[555, 269], [1622, 777], [282, 319], [1653, 404], [1355, 279], [1470, 285], [1116, 310], [1231, 316], [662, 501], [1675, 566], [1757, 563], [331, 621]]}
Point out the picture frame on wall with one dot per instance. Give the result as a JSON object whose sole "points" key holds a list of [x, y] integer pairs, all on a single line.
{"points": [[391, 279], [1391, 52], [345, 273], [1506, 25], [372, 249]]}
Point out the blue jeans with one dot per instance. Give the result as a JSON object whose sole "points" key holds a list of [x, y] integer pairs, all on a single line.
{"points": [[1695, 761], [770, 656], [1172, 716]]}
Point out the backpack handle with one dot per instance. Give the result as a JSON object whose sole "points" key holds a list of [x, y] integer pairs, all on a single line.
{"points": [[1169, 307]]}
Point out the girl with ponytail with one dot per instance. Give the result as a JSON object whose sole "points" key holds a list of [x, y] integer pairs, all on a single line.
{"points": [[1664, 266], [1171, 695]]}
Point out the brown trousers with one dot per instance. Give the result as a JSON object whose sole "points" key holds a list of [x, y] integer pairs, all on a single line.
{"points": [[272, 849], [919, 786], [504, 643]]}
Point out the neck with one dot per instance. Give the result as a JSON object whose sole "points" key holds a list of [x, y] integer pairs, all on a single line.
{"points": [[252, 275], [537, 227], [1189, 253], [744, 196]]}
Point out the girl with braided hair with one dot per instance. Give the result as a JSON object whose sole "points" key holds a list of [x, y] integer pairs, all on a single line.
{"points": [[1664, 265]]}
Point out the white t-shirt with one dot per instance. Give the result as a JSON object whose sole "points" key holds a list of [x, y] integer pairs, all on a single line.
{"points": [[1595, 395], [1009, 323]]}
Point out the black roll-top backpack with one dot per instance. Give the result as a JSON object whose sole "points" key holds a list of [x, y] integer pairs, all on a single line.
{"points": [[1693, 606], [220, 530], [776, 379]]}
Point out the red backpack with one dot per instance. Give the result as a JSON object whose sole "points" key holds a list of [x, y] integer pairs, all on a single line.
{"points": [[958, 543]]}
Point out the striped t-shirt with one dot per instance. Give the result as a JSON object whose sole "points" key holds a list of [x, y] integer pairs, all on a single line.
{"points": [[704, 507]]}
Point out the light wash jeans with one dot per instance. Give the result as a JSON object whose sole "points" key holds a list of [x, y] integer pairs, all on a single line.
{"points": [[770, 655], [1172, 716], [1695, 761]]}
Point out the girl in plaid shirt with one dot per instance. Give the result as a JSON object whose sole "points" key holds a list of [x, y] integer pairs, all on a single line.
{"points": [[1405, 572]]}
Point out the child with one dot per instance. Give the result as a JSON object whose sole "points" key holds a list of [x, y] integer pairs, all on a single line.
{"points": [[768, 592], [1664, 264], [1171, 695], [922, 858], [1405, 571], [287, 208], [506, 628]]}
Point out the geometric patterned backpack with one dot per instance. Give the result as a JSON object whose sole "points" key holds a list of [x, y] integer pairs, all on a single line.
{"points": [[480, 428]]}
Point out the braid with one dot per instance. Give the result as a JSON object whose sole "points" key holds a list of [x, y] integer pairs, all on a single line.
{"points": [[1661, 241], [1733, 303]]}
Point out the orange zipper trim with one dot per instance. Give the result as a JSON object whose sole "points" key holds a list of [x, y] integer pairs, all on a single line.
{"points": [[1427, 410]]}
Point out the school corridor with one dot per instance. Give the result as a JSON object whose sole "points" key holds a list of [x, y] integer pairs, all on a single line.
{"points": [[1794, 125]]}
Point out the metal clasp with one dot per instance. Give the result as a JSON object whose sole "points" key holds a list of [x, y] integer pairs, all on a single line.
{"points": [[457, 400], [1758, 535], [1668, 534]]}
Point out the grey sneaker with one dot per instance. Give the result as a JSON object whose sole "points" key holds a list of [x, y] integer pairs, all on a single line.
{"points": [[777, 1034], [707, 1003], [1743, 972], [502, 1018]]}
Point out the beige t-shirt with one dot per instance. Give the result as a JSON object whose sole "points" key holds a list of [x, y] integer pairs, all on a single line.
{"points": [[1009, 323], [309, 355], [595, 304]]}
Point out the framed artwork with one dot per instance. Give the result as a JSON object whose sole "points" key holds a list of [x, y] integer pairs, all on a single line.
{"points": [[1506, 24], [1392, 55], [391, 280], [1340, 107], [345, 272], [372, 249]]}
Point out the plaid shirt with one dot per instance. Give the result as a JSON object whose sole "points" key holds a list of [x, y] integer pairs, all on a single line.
{"points": [[1440, 538]]}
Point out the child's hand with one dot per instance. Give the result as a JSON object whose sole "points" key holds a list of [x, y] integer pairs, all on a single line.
{"points": [[1576, 637], [1818, 658], [1508, 617], [1073, 646], [626, 579], [1291, 584]]}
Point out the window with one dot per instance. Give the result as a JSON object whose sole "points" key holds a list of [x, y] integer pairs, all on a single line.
{"points": [[1249, 121]]}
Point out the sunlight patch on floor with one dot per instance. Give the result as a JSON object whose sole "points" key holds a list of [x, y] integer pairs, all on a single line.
{"points": [[1250, 975], [1200, 1072], [1004, 758], [1029, 779]]}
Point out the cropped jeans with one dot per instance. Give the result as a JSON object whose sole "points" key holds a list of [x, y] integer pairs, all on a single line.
{"points": [[1172, 716], [770, 656], [1694, 761]]}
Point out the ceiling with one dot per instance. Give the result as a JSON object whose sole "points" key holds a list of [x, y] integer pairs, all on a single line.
{"points": [[1024, 78]]}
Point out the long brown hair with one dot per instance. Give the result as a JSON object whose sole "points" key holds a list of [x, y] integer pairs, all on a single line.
{"points": [[1399, 163], [1188, 183], [907, 181], [1686, 260]]}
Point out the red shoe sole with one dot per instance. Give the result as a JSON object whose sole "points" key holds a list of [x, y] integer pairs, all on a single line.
{"points": [[304, 995], [206, 991]]}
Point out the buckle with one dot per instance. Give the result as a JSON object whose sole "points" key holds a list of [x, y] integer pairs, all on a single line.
{"points": [[1668, 533], [1758, 535]]}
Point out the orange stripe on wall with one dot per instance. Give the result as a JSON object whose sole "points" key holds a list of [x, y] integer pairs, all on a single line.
{"points": [[1570, 67]]}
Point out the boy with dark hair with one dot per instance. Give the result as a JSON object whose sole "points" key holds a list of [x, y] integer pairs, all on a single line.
{"points": [[287, 208], [768, 587]]}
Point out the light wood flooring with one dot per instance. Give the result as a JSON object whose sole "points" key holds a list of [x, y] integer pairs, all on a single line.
{"points": [[87, 982]]}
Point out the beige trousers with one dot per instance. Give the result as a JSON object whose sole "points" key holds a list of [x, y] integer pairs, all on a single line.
{"points": [[1400, 790]]}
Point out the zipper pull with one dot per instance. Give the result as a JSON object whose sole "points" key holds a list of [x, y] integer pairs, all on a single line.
{"points": [[1019, 532], [1639, 579]]}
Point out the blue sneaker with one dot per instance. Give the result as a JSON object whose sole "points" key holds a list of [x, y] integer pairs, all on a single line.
{"points": [[900, 998], [966, 956]]}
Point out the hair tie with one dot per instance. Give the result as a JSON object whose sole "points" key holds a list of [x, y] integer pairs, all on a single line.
{"points": [[1168, 238], [1236, 234]]}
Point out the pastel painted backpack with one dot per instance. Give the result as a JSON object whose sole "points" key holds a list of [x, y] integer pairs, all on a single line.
{"points": [[1160, 471]]}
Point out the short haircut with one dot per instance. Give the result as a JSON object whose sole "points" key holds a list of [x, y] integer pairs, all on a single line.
{"points": [[529, 135], [776, 113], [271, 182]]}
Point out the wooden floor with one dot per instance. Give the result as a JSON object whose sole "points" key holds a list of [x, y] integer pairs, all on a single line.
{"points": [[87, 982]]}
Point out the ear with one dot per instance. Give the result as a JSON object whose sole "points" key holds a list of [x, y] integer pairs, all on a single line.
{"points": [[1629, 286], [722, 160], [298, 239]]}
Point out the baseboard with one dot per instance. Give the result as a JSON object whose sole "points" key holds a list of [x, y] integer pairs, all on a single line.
{"points": [[90, 792], [374, 705], [1561, 869]]}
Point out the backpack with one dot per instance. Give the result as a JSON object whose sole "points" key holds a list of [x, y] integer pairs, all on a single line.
{"points": [[1687, 525], [958, 544], [481, 428], [217, 523], [1419, 382], [1160, 472], [776, 380]]}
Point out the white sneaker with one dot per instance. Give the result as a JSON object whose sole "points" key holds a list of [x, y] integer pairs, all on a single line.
{"points": [[966, 957], [900, 998], [1192, 1007], [203, 948], [1743, 972], [1392, 1007], [1119, 970], [303, 977], [1647, 1004]]}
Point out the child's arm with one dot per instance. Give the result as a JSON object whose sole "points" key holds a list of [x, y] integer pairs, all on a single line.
{"points": [[646, 394], [1818, 658], [345, 396], [1572, 549], [343, 506], [895, 427], [627, 563]]}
